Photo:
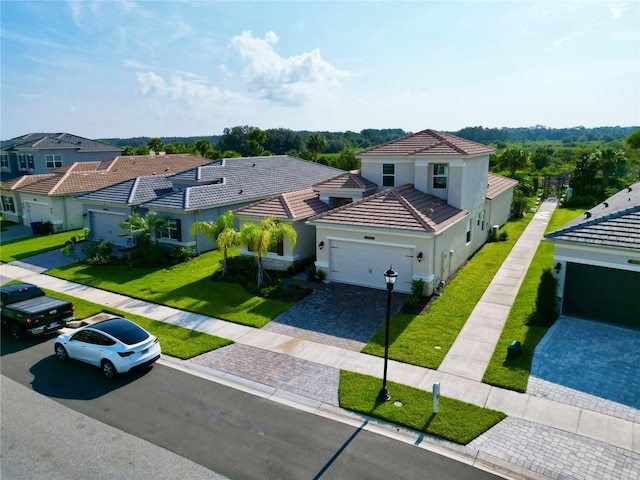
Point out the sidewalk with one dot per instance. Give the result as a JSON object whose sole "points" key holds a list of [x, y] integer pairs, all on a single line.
{"points": [[547, 437]]}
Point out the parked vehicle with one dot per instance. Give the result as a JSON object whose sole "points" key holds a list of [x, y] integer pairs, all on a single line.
{"points": [[27, 310], [116, 345]]}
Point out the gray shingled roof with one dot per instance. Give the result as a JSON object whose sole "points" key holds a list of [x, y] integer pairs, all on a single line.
{"points": [[246, 179], [243, 180], [427, 143], [57, 141], [613, 223]]}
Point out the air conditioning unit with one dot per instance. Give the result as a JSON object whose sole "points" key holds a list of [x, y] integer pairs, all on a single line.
{"points": [[56, 226], [494, 229]]}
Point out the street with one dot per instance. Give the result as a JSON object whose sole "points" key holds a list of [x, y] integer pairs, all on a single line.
{"points": [[228, 431]]}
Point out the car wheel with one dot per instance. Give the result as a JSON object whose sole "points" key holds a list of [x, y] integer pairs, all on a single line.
{"points": [[61, 352], [108, 370], [16, 332]]}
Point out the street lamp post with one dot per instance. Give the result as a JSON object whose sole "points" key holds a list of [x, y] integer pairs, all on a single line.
{"points": [[390, 278]]}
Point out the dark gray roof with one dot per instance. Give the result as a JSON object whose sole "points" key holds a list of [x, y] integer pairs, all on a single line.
{"points": [[131, 192], [241, 180], [614, 223], [57, 141]]}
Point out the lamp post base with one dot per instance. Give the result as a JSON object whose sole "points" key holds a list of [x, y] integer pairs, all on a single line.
{"points": [[383, 395]]}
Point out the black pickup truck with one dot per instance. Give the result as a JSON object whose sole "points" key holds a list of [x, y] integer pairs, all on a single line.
{"points": [[27, 310]]}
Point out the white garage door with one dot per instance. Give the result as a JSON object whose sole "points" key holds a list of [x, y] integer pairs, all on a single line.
{"points": [[105, 226], [364, 264]]}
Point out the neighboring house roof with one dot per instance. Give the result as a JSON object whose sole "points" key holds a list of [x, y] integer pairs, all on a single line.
{"points": [[498, 184], [242, 180], [81, 177], [401, 208], [427, 143], [292, 205], [614, 223], [56, 141], [227, 182], [351, 179]]}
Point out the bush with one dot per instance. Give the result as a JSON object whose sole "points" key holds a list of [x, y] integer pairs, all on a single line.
{"points": [[503, 236], [181, 254], [417, 292], [321, 275], [546, 310], [241, 269], [98, 253]]}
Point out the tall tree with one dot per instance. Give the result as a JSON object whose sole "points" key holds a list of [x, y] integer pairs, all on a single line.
{"points": [[222, 232], [612, 162], [156, 144], [256, 139], [261, 238], [316, 144], [513, 159], [633, 139]]}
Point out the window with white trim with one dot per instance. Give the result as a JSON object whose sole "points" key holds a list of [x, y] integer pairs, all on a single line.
{"points": [[30, 163], [440, 171], [8, 205], [53, 161], [468, 231], [4, 160], [171, 230], [388, 175], [22, 161]]}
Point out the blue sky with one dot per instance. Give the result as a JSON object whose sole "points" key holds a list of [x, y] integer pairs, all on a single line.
{"points": [[188, 68]]}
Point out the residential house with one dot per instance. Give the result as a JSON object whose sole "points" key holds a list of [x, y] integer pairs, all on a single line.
{"points": [[434, 207], [37, 153], [198, 194], [597, 261], [50, 197]]}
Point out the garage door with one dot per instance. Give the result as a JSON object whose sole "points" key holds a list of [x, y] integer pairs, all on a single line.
{"points": [[105, 225], [38, 212], [604, 294], [364, 264]]}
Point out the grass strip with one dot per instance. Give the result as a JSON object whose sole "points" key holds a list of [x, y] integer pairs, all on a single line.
{"points": [[176, 341], [513, 374], [424, 340], [456, 421], [185, 286], [20, 248]]}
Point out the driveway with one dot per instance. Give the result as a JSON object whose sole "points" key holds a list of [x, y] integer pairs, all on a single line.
{"points": [[589, 364]]}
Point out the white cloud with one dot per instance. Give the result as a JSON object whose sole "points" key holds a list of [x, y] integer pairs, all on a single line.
{"points": [[291, 80], [618, 9], [560, 41]]}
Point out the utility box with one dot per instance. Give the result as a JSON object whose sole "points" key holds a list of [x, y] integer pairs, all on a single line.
{"points": [[513, 350]]}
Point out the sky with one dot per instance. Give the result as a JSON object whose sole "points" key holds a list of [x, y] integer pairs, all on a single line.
{"points": [[105, 69]]}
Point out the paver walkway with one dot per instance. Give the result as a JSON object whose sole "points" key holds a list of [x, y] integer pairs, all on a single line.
{"points": [[471, 352]]}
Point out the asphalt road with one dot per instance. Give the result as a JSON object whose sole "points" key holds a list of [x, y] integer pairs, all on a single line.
{"points": [[228, 431]]}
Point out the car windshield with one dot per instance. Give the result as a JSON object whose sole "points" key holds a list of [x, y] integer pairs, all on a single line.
{"points": [[124, 330]]}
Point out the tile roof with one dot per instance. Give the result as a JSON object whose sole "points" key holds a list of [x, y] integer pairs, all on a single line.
{"points": [[131, 192], [83, 177], [351, 179], [292, 205], [246, 179], [614, 223], [401, 208], [57, 141], [427, 143], [498, 184]]}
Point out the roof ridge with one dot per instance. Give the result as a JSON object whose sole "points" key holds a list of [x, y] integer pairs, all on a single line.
{"points": [[410, 208], [285, 203], [594, 221], [63, 178], [134, 187]]}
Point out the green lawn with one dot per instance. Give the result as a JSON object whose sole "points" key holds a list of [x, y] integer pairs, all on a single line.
{"points": [[175, 341], [27, 247], [513, 374], [456, 421], [413, 338], [186, 286]]}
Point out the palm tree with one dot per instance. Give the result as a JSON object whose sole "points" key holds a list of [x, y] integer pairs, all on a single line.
{"points": [[260, 238], [513, 159], [143, 227], [316, 144], [221, 231]]}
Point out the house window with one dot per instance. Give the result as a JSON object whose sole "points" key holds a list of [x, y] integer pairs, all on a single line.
{"points": [[53, 161], [440, 175], [4, 160], [30, 163], [388, 175], [8, 205], [22, 162], [468, 231], [278, 247], [171, 230]]}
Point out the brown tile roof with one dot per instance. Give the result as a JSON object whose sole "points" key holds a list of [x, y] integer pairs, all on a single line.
{"points": [[614, 223], [293, 205], [401, 208], [498, 184], [351, 179], [427, 142], [83, 177]]}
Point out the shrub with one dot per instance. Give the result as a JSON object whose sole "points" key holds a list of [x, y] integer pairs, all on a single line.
{"points": [[181, 254], [546, 309], [321, 275], [503, 236], [98, 253], [417, 292]]}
